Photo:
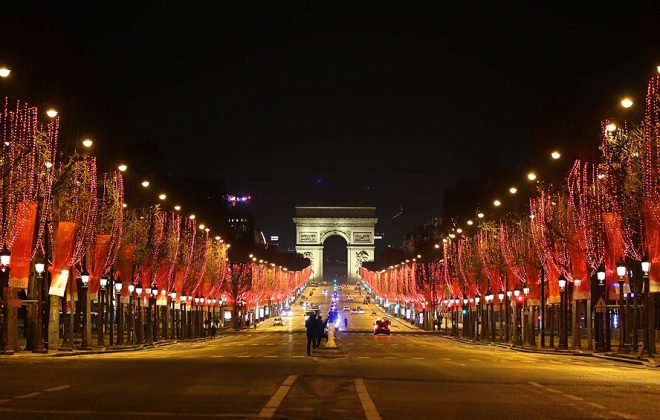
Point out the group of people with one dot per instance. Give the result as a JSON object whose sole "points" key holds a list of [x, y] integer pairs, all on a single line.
{"points": [[315, 326]]}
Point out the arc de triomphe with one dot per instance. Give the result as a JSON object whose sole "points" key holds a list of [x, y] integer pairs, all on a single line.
{"points": [[355, 224]]}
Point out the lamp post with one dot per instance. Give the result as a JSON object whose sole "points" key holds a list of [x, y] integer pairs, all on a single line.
{"points": [[182, 304], [5, 260], [39, 268], [84, 277], [528, 324], [131, 314], [621, 272], [477, 301], [465, 312], [507, 313], [149, 327], [154, 293], [563, 336], [648, 321], [139, 330], [173, 334], [165, 312], [604, 324], [516, 315], [120, 315], [500, 296], [101, 322], [576, 319]]}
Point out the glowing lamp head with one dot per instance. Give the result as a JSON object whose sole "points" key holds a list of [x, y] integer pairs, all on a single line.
{"points": [[436, 246], [497, 203], [646, 264], [500, 296], [516, 292], [477, 299], [145, 183], [103, 282], [87, 143], [480, 215], [52, 113], [84, 277], [459, 230], [577, 282], [526, 290], [118, 286], [508, 293], [555, 154], [131, 288], [177, 208], [148, 290], [513, 190], [562, 282], [173, 295], [4, 72], [162, 196], [122, 167], [470, 222], [626, 102], [531, 176], [197, 300], [621, 268], [192, 217], [611, 127], [39, 267], [138, 290], [5, 256], [202, 226]]}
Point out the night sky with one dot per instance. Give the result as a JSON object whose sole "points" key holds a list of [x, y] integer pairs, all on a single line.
{"points": [[317, 103]]}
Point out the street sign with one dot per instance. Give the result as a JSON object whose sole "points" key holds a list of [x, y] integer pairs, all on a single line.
{"points": [[600, 305]]}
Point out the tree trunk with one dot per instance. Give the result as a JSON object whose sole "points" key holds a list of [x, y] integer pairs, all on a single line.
{"points": [[54, 323]]}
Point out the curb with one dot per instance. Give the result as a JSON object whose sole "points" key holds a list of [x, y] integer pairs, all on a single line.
{"points": [[132, 348]]}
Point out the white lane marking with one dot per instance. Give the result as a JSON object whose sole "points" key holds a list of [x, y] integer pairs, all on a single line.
{"points": [[593, 404], [272, 344], [391, 357], [244, 356], [418, 358], [271, 357], [218, 355], [297, 357], [31, 394], [57, 388], [364, 357], [554, 391], [254, 344], [536, 384], [368, 406], [573, 397], [271, 406], [624, 415]]}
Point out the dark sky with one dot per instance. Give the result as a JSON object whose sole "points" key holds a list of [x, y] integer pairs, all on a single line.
{"points": [[292, 102]]}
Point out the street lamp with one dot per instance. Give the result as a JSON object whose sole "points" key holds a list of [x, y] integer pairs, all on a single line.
{"points": [[4, 72], [477, 301], [131, 325], [5, 260], [173, 334], [84, 277], [182, 304], [140, 327], [563, 340], [621, 272], [103, 283], [39, 268], [120, 314], [500, 296], [648, 324]]}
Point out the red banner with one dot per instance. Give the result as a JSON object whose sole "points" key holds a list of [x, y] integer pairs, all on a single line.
{"points": [[62, 253], [99, 257], [552, 276], [579, 265], [652, 224], [125, 268], [21, 250], [614, 251]]}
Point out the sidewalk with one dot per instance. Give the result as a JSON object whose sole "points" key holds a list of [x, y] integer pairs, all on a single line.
{"points": [[106, 349], [619, 357]]}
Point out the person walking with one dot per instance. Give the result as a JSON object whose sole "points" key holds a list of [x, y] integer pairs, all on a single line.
{"points": [[346, 323], [311, 327], [320, 331]]}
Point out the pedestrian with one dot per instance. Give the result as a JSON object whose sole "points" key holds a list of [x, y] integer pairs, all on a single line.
{"points": [[214, 328], [311, 327], [320, 331], [345, 323]]}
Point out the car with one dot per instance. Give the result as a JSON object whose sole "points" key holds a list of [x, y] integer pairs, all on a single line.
{"points": [[360, 310], [382, 326], [347, 309], [278, 321], [287, 312], [365, 302], [354, 311]]}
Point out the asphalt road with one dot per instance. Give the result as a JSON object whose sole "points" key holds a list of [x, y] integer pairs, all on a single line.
{"points": [[265, 372]]}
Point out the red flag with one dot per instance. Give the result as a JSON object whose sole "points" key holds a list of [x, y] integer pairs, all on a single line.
{"points": [[21, 250], [101, 250], [62, 252]]}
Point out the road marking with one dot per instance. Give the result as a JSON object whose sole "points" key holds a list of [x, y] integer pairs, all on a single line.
{"points": [[624, 415], [272, 357], [418, 358], [298, 357], [536, 384], [244, 356], [573, 397], [254, 344], [218, 355], [271, 406], [270, 344], [391, 357], [554, 391], [31, 394], [593, 404], [364, 357], [57, 388], [368, 406]]}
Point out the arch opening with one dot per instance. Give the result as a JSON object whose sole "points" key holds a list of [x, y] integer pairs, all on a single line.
{"points": [[335, 252]]}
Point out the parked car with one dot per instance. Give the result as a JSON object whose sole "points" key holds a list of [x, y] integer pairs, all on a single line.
{"points": [[360, 310], [278, 321], [382, 326], [347, 309]]}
